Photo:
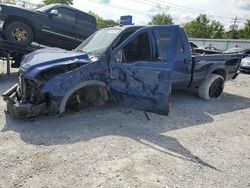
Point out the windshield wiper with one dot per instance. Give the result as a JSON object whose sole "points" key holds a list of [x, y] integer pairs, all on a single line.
{"points": [[80, 50], [40, 11]]}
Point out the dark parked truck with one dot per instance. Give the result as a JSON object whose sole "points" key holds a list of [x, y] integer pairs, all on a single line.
{"points": [[136, 66], [54, 25]]}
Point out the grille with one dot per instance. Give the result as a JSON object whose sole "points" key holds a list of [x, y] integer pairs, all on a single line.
{"points": [[28, 90]]}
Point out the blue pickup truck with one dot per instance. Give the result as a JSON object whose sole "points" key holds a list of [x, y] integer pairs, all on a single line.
{"points": [[138, 66]]}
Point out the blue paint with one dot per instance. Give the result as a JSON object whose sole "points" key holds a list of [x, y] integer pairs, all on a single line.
{"points": [[44, 59], [143, 84]]}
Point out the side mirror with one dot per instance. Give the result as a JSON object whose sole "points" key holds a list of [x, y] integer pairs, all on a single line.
{"points": [[118, 56], [53, 12], [162, 60]]}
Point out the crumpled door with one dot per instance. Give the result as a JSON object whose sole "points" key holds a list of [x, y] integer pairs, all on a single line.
{"points": [[143, 85]]}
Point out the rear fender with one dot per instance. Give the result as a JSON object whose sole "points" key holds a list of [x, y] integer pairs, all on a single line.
{"points": [[220, 70]]}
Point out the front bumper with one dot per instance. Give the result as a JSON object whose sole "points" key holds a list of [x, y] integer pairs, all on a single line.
{"points": [[21, 110]]}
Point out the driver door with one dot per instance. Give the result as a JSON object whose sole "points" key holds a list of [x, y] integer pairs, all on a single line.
{"points": [[60, 30], [139, 78]]}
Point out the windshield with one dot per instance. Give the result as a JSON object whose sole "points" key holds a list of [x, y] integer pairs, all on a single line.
{"points": [[45, 8], [98, 43]]}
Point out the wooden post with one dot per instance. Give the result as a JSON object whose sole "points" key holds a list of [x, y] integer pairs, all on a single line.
{"points": [[8, 63]]}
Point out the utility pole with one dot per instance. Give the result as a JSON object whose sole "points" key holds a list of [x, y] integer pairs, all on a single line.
{"points": [[234, 27]]}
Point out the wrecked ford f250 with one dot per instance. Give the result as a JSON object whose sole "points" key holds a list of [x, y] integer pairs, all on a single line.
{"points": [[137, 66]]}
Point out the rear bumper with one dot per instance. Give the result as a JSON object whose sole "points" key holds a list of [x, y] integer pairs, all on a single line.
{"points": [[21, 110]]}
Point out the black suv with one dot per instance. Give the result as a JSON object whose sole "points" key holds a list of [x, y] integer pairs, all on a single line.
{"points": [[53, 25]]}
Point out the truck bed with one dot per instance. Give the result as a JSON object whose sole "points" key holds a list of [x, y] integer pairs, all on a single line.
{"points": [[226, 65], [216, 57]]}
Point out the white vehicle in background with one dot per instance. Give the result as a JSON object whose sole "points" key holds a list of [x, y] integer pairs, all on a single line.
{"points": [[245, 65], [234, 50]]}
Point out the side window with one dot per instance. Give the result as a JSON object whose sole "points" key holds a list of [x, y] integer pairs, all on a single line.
{"points": [[123, 37], [163, 38], [66, 15], [85, 20], [86, 24], [137, 49]]}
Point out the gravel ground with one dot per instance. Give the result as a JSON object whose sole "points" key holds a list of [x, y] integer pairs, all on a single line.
{"points": [[200, 144]]}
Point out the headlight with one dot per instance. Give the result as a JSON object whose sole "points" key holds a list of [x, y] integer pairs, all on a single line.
{"points": [[1, 24]]}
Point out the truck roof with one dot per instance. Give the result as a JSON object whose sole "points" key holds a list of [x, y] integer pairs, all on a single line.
{"points": [[124, 27]]}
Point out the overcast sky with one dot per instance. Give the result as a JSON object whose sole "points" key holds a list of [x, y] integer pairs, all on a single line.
{"points": [[181, 10]]}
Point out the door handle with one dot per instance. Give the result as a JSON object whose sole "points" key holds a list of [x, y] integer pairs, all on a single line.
{"points": [[46, 26], [162, 60], [187, 61]]}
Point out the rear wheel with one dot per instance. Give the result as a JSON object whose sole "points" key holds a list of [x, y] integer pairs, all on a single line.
{"points": [[212, 88], [19, 33]]}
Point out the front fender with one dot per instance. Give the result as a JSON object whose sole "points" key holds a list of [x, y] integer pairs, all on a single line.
{"points": [[62, 86], [75, 88]]}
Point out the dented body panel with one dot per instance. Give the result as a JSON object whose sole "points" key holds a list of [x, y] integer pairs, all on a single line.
{"points": [[137, 66]]}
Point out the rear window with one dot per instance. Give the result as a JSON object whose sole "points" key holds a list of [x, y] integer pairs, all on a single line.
{"points": [[85, 20], [163, 39]]}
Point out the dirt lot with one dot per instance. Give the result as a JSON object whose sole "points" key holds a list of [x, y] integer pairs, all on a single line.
{"points": [[200, 144]]}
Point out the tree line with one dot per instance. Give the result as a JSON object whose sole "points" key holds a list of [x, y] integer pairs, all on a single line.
{"points": [[203, 27], [200, 27]]}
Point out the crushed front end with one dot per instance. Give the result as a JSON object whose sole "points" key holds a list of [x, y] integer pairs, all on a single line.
{"points": [[24, 99], [40, 88]]}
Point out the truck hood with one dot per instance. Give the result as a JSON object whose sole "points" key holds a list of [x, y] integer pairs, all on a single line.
{"points": [[40, 60]]}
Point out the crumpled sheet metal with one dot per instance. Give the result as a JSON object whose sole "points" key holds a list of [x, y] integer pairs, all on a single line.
{"points": [[145, 86], [132, 88], [140, 89]]}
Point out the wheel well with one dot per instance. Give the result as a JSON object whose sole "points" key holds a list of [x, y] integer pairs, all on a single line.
{"points": [[11, 19], [85, 86], [221, 72]]}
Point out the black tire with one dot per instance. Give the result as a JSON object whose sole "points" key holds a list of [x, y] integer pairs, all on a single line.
{"points": [[17, 61], [212, 87], [19, 33]]}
